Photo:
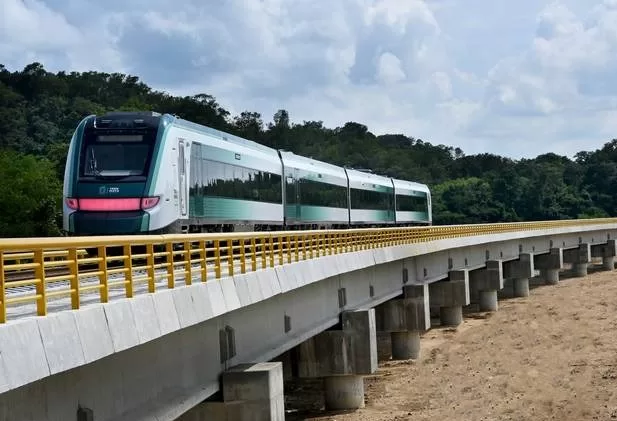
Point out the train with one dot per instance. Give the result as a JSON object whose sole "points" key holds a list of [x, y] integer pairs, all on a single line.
{"points": [[151, 173]]}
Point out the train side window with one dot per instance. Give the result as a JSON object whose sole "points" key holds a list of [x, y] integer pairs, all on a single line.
{"points": [[317, 193], [236, 182], [370, 199], [407, 203]]}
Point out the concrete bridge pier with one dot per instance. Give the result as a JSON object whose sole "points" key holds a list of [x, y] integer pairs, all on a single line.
{"points": [[484, 284], [451, 296], [405, 319], [384, 338], [607, 252], [405, 345], [342, 357], [579, 257], [286, 358], [549, 265], [517, 274], [250, 392], [608, 263]]}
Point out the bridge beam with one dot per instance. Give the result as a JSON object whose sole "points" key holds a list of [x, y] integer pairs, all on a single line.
{"points": [[404, 319], [342, 357], [484, 284], [517, 273], [579, 258], [607, 252], [549, 265], [451, 296]]}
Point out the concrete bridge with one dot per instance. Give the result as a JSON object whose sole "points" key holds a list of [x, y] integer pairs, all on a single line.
{"points": [[154, 331]]}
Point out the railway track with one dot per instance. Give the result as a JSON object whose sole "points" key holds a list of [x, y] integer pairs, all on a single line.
{"points": [[84, 268], [15, 275], [26, 274]]}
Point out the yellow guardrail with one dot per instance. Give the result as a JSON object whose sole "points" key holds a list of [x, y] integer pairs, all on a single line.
{"points": [[31, 262], [28, 257]]}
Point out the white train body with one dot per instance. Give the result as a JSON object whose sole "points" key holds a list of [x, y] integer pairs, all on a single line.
{"points": [[129, 173]]}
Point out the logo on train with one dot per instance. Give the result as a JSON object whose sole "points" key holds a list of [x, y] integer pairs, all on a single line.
{"points": [[105, 190]]}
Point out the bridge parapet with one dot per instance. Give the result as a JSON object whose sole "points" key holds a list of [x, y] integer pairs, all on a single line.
{"points": [[37, 270]]}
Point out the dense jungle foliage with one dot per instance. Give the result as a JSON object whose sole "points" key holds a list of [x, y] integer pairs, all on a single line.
{"points": [[39, 111]]}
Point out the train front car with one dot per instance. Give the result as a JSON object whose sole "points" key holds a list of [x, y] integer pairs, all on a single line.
{"points": [[371, 199], [413, 203], [108, 176]]}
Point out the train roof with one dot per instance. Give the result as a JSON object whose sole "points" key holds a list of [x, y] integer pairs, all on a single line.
{"points": [[410, 185], [125, 120], [310, 164], [221, 135], [368, 178]]}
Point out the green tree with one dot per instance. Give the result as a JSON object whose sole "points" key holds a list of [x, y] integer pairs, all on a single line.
{"points": [[39, 110], [30, 196]]}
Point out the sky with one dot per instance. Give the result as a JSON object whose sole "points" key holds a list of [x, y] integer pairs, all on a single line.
{"points": [[513, 78]]}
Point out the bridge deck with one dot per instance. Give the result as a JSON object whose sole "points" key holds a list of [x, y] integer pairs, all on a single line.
{"points": [[297, 284], [54, 274]]}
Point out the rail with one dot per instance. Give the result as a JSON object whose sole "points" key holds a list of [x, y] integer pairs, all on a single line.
{"points": [[44, 262]]}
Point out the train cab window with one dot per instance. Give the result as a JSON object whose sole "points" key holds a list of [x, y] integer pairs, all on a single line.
{"points": [[115, 156]]}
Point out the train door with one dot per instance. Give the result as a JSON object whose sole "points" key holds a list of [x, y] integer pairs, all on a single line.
{"points": [[182, 176], [291, 195], [297, 193]]}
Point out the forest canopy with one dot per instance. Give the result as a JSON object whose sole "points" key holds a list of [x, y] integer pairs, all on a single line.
{"points": [[39, 111]]}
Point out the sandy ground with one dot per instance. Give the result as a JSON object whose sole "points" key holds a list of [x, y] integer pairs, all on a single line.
{"points": [[550, 356]]}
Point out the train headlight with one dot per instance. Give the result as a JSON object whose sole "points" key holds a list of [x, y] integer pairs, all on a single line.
{"points": [[72, 203], [149, 202]]}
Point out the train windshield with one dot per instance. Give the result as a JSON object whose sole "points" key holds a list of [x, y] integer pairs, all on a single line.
{"points": [[116, 156]]}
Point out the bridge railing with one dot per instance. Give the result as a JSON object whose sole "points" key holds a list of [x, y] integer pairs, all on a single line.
{"points": [[37, 270]]}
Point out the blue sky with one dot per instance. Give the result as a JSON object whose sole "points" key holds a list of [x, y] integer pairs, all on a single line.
{"points": [[515, 78]]}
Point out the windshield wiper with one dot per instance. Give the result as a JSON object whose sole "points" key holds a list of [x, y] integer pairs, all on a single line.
{"points": [[93, 165]]}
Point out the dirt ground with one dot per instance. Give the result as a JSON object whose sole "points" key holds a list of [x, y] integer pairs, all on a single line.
{"points": [[550, 356]]}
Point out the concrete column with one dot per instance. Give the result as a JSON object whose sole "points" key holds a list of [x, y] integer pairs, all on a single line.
{"points": [[342, 357], [549, 264], [517, 273], [384, 346], [550, 276], [484, 284], [520, 287], [405, 345], [488, 300], [286, 359], [451, 316], [579, 269], [450, 296], [579, 257], [384, 343], [250, 392], [607, 252], [405, 319], [344, 392]]}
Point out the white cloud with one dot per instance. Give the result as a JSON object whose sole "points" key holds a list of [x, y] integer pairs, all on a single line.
{"points": [[443, 83], [389, 69], [513, 78], [399, 14], [30, 31]]}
